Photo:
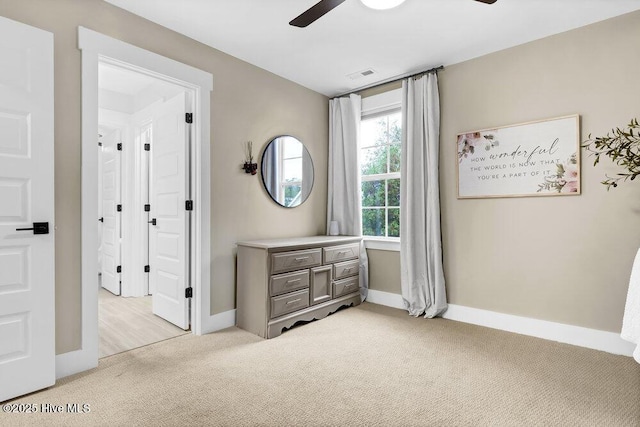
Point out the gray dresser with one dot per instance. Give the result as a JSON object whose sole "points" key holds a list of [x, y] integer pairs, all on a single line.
{"points": [[283, 281]]}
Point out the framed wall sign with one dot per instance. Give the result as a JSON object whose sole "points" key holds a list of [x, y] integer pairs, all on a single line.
{"points": [[530, 159]]}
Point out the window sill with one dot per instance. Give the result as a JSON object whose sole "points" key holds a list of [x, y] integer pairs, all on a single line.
{"points": [[382, 244]]}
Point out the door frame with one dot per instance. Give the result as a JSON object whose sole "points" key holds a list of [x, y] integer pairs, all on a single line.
{"points": [[97, 47]]}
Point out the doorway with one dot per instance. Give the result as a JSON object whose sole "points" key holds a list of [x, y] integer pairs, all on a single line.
{"points": [[95, 48], [144, 172]]}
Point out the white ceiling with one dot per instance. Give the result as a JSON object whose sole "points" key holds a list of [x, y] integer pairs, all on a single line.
{"points": [[418, 35]]}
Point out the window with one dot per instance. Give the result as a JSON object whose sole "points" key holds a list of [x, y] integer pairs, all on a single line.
{"points": [[291, 168], [380, 149]]}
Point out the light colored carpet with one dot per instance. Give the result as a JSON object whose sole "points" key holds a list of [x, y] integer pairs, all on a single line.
{"points": [[128, 323], [363, 366]]}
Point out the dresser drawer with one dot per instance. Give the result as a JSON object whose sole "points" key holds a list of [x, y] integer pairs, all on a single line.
{"points": [[346, 269], [345, 286], [288, 282], [288, 303], [341, 253], [295, 260]]}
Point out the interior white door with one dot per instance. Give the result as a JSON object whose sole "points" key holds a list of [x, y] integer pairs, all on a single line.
{"points": [[168, 238], [111, 226], [27, 320]]}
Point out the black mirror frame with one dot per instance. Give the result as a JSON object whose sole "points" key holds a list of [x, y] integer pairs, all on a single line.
{"points": [[264, 185]]}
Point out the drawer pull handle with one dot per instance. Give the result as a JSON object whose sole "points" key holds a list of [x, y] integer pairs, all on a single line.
{"points": [[290, 282], [294, 301], [348, 269], [342, 253], [304, 258]]}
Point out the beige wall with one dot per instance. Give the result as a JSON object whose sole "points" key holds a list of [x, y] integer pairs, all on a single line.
{"points": [[247, 103], [561, 259], [384, 270]]}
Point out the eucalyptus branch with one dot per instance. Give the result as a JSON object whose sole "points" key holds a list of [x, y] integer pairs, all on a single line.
{"points": [[622, 145]]}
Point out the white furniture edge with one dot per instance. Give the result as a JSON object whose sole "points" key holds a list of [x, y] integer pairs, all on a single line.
{"points": [[95, 46], [568, 334]]}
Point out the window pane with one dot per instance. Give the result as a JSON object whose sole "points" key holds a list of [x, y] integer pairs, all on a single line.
{"points": [[373, 193], [373, 222], [394, 222], [292, 170], [394, 192], [374, 160], [290, 194], [394, 157], [368, 132], [292, 147], [373, 131], [395, 128], [381, 150]]}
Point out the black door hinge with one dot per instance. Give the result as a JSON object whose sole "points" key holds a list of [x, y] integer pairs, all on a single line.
{"points": [[147, 268], [188, 205], [189, 117], [119, 269], [147, 147], [119, 146], [99, 144], [188, 293], [101, 219], [147, 208], [119, 208]]}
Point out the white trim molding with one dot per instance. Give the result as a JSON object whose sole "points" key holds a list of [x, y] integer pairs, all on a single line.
{"points": [[568, 334], [73, 362], [382, 244], [219, 321], [382, 102]]}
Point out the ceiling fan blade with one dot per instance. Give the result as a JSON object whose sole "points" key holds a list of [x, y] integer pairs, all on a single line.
{"points": [[487, 1], [315, 12]]}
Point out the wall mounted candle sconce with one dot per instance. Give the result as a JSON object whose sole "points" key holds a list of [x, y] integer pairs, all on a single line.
{"points": [[249, 166]]}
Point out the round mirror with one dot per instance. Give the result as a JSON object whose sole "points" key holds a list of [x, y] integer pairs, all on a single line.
{"points": [[287, 171]]}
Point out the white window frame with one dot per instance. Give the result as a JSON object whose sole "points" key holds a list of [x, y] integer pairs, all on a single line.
{"points": [[378, 105]]}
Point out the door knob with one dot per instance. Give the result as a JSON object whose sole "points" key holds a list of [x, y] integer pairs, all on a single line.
{"points": [[153, 221], [38, 228]]}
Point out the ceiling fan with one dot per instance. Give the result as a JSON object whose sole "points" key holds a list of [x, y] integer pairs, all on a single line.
{"points": [[324, 6]]}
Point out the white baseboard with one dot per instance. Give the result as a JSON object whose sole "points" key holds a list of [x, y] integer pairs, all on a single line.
{"points": [[575, 335], [385, 298], [74, 362], [219, 321]]}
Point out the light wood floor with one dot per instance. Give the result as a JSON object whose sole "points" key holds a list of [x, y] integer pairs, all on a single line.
{"points": [[128, 323]]}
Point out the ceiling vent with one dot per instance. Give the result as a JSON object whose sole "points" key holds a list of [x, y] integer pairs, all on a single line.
{"points": [[361, 74]]}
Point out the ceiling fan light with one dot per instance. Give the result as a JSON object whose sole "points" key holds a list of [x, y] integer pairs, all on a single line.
{"points": [[382, 4]]}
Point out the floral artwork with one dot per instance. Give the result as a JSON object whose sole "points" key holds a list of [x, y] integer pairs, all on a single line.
{"points": [[531, 159], [566, 179], [468, 143]]}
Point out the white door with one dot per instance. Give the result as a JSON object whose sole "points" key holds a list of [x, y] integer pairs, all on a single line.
{"points": [[27, 320], [168, 238], [111, 225]]}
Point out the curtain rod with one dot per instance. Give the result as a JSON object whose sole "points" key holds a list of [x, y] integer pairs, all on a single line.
{"points": [[393, 80]]}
